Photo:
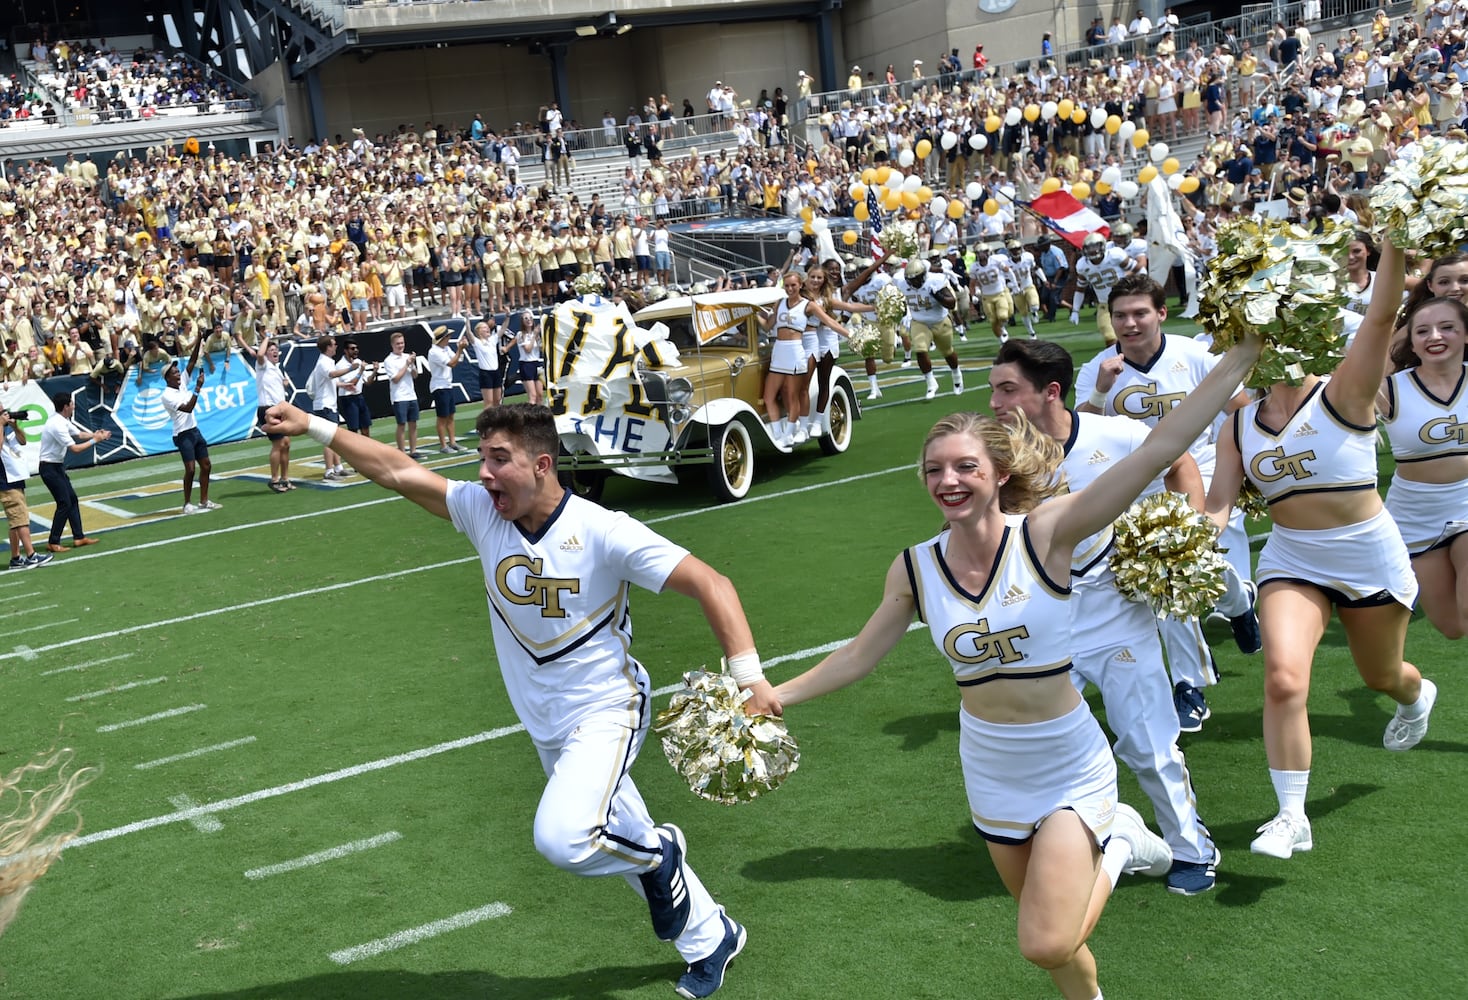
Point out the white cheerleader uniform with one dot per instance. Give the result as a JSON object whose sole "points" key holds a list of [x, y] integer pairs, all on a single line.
{"points": [[1356, 565], [788, 357], [1422, 427], [1016, 775]]}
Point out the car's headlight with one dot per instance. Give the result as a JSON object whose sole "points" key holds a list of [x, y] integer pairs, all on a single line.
{"points": [[680, 390], [679, 414]]}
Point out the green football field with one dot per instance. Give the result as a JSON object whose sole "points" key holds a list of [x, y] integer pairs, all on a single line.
{"points": [[312, 785]]}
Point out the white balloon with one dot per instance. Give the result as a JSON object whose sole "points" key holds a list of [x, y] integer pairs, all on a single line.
{"points": [[1127, 190], [905, 158], [949, 140], [1048, 109], [911, 183], [894, 181], [819, 225], [1159, 152], [794, 237], [1175, 181], [938, 206], [1012, 116], [978, 141], [1098, 118], [974, 190], [1111, 176], [1127, 130]]}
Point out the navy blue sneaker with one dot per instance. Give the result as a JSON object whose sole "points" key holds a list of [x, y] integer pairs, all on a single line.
{"points": [[1246, 626], [1192, 878], [705, 976], [665, 888], [1192, 708]]}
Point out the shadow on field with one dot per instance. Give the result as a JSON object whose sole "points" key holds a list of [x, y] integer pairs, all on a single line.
{"points": [[1370, 712], [396, 984], [954, 871], [917, 731]]}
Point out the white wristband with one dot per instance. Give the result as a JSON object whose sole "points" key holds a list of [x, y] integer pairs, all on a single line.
{"points": [[745, 668], [1098, 399], [321, 430]]}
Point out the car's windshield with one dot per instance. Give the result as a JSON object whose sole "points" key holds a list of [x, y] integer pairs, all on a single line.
{"points": [[680, 332]]}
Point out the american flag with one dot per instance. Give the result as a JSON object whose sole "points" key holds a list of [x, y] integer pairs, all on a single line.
{"points": [[874, 217]]}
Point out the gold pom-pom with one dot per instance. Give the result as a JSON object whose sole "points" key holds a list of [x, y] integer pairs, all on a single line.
{"points": [[866, 338], [1422, 197], [1251, 502], [1166, 554], [724, 754], [900, 240], [1287, 283]]}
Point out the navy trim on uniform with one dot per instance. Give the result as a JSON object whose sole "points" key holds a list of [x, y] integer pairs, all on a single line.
{"points": [[1380, 599], [1452, 396], [1441, 543], [532, 539], [993, 569], [1434, 455], [1343, 488], [1238, 422], [1011, 675], [1391, 401], [912, 582], [541, 661], [1150, 361], [1103, 555], [1259, 414], [1035, 561], [996, 839], [1075, 431], [1334, 414]]}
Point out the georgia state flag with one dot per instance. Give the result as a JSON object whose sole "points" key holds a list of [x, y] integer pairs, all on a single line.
{"points": [[1068, 217]]}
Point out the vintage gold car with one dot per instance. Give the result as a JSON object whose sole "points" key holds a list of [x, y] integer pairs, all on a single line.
{"points": [[705, 409]]}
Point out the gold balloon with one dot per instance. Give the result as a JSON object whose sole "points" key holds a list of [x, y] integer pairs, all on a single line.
{"points": [[1147, 174], [1189, 185], [909, 199], [991, 207], [992, 123], [1113, 122], [1170, 165], [956, 209], [858, 192], [811, 165], [1140, 138], [1064, 108], [924, 194], [1050, 185], [923, 148], [869, 176], [892, 200], [1103, 188], [807, 229], [1078, 115], [807, 213], [861, 212], [1032, 112], [849, 237], [882, 174], [1080, 190]]}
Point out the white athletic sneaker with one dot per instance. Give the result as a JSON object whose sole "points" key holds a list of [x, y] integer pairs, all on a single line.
{"points": [[799, 436], [189, 508], [957, 382], [874, 393], [932, 387], [1004, 337], [1404, 734], [211, 505], [1282, 836], [907, 362], [1150, 853]]}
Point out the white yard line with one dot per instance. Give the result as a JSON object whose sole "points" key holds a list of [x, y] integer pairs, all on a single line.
{"points": [[201, 821], [415, 934], [116, 688], [330, 854], [29, 611], [33, 628], [189, 755], [155, 717], [19, 597], [226, 805], [81, 666]]}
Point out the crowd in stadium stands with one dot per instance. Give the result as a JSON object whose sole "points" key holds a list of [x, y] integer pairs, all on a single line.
{"points": [[97, 79]]}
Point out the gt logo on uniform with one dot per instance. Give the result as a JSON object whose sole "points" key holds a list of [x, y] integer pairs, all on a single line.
{"points": [[1443, 430], [543, 592], [1280, 464], [987, 645], [1148, 401]]}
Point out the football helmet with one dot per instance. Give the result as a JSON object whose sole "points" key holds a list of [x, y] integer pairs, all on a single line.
{"points": [[1121, 233], [1094, 247]]}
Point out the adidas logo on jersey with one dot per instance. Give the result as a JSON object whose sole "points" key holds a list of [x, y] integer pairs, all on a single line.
{"points": [[1178, 366], [1125, 656], [1014, 595], [1305, 430], [572, 544], [1098, 457]]}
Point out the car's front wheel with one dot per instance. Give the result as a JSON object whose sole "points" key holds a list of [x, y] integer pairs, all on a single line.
{"points": [[841, 412], [587, 483], [732, 471]]}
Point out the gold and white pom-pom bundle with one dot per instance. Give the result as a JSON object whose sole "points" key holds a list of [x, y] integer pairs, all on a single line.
{"points": [[899, 240], [1251, 502], [1422, 197], [1166, 554], [1287, 283], [588, 283], [891, 308], [723, 753], [866, 338]]}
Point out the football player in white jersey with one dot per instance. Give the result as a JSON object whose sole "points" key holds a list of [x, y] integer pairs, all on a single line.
{"points": [[993, 590], [865, 288], [1114, 642], [557, 570], [929, 300], [1098, 268], [1124, 236], [1027, 275], [991, 276], [1144, 376]]}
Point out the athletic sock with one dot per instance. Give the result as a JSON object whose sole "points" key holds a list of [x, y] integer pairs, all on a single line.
{"points": [[1115, 858], [1416, 710], [872, 381], [1290, 788]]}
